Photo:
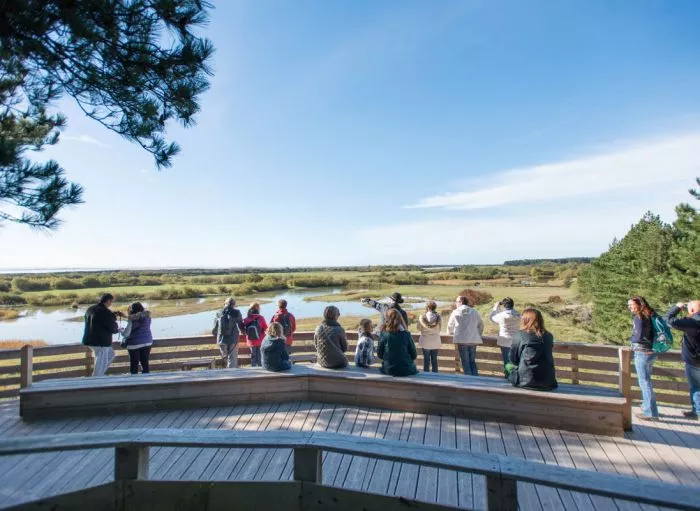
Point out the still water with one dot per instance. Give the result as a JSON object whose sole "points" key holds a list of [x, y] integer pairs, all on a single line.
{"points": [[49, 324]]}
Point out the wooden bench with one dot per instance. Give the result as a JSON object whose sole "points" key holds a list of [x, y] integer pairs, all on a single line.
{"points": [[570, 407]]}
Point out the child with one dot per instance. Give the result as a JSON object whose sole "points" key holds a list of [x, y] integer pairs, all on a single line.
{"points": [[254, 328], [429, 326], [364, 353], [274, 349]]}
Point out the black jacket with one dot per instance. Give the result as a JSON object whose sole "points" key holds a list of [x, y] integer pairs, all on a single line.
{"points": [[690, 326], [533, 360], [100, 324]]}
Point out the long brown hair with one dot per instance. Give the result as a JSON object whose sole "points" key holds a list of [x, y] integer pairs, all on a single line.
{"points": [[394, 321], [645, 310], [531, 320]]}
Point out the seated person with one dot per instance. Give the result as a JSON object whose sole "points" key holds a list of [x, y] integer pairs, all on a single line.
{"points": [[531, 363], [364, 352], [274, 349], [330, 341], [396, 347]]}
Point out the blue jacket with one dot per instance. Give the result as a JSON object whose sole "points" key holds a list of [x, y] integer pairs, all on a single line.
{"points": [[690, 326], [274, 354], [642, 334], [140, 334]]}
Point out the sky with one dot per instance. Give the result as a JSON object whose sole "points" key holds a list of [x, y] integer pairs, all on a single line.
{"points": [[397, 132]]}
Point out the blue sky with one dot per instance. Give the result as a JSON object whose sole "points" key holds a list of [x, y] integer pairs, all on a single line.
{"points": [[386, 132]]}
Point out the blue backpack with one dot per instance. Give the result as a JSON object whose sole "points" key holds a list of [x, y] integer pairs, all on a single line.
{"points": [[663, 338]]}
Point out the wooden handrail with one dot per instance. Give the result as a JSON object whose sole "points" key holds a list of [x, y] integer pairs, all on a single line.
{"points": [[132, 447]]}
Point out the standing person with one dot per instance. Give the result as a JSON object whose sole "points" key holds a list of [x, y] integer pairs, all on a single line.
{"points": [[364, 351], [395, 303], [100, 324], [138, 338], [508, 321], [254, 326], [274, 349], [690, 349], [330, 340], [466, 327], [642, 341], [531, 363], [429, 325], [228, 326], [286, 319], [396, 348]]}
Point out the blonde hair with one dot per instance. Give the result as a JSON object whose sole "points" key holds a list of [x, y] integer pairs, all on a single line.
{"points": [[393, 321], [531, 320], [275, 330], [331, 313], [366, 326], [254, 308]]}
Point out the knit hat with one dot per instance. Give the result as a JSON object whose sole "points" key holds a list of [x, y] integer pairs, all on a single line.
{"points": [[396, 297]]}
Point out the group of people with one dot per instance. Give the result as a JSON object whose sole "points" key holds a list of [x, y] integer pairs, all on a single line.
{"points": [[646, 326], [526, 346]]}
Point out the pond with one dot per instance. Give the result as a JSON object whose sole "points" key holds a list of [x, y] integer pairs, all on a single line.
{"points": [[53, 325]]}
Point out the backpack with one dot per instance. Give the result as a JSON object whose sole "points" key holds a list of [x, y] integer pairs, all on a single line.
{"points": [[283, 319], [252, 331], [225, 323], [663, 338]]}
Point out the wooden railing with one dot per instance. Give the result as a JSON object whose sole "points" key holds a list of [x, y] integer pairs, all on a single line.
{"points": [[131, 461], [577, 363]]}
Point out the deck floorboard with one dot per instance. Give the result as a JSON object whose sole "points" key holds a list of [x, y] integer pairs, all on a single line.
{"points": [[666, 451]]}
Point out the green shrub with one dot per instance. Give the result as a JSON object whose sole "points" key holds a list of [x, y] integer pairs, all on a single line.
{"points": [[10, 299], [64, 283], [477, 297]]}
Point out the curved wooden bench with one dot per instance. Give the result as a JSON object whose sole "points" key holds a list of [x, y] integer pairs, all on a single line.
{"points": [[570, 407]]}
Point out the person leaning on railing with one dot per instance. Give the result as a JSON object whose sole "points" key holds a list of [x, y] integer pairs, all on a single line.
{"points": [[642, 341], [466, 327], [138, 338], [531, 364]]}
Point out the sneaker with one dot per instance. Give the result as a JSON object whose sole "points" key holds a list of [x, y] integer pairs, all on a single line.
{"points": [[647, 418], [690, 415]]}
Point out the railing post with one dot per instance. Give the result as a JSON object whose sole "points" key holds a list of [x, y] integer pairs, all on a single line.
{"points": [[308, 465], [574, 368], [625, 385], [89, 362], [458, 361], [26, 355], [501, 493], [131, 462]]}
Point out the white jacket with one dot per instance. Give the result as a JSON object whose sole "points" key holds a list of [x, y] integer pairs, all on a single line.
{"points": [[508, 321], [465, 325], [429, 332]]}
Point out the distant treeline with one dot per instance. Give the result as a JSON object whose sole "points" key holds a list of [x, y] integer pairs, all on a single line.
{"points": [[564, 260]]}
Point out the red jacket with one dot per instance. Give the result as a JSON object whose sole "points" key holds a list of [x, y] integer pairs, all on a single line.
{"points": [[261, 323], [292, 321]]}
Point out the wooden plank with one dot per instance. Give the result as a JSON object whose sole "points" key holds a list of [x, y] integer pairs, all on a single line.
{"points": [[581, 460], [205, 456], [358, 465], [316, 420], [381, 471], [279, 422], [408, 473], [275, 467], [563, 459], [447, 487], [236, 458], [257, 456], [427, 485], [331, 461], [62, 349], [345, 460], [472, 487], [382, 428], [527, 494]]}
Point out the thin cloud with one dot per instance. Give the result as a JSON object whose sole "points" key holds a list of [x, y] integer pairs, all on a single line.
{"points": [[84, 139], [637, 166]]}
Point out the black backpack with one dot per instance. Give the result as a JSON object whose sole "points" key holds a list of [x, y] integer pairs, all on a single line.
{"points": [[252, 331], [226, 323], [283, 319]]}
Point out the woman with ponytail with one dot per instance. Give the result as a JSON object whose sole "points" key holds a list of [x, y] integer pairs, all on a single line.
{"points": [[642, 342]]}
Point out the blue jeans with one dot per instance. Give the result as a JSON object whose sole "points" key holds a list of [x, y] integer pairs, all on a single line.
{"points": [[430, 357], [643, 363], [467, 353], [505, 353], [255, 360], [693, 374]]}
